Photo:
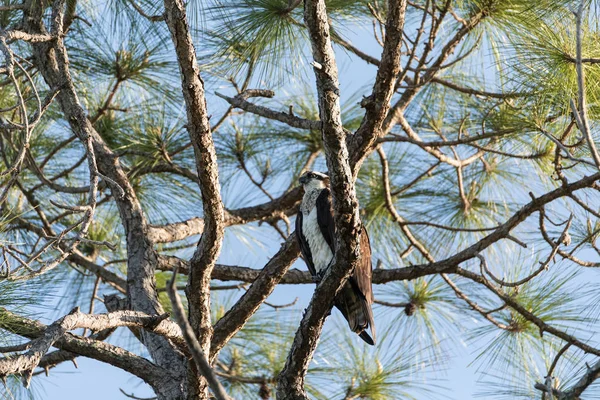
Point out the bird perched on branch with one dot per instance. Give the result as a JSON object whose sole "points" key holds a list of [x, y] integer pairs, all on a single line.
{"points": [[315, 232]]}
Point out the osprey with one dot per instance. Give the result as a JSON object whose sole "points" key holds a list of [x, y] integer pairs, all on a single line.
{"points": [[315, 231]]}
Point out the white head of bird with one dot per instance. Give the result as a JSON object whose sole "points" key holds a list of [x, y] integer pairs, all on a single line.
{"points": [[312, 180]]}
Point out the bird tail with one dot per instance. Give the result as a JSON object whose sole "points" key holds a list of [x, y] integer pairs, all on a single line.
{"points": [[357, 311], [368, 312], [365, 336]]}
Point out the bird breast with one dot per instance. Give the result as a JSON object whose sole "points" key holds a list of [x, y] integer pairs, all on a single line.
{"points": [[319, 249]]}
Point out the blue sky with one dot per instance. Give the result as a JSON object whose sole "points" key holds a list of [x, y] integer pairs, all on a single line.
{"points": [[95, 380], [98, 381]]}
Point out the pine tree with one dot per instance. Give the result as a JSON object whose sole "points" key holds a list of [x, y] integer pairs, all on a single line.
{"points": [[149, 158]]}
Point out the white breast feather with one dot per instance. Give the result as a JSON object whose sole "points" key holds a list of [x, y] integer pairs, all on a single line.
{"points": [[319, 249]]}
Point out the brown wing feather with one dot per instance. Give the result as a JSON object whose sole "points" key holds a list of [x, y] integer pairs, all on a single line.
{"points": [[363, 277], [364, 271]]}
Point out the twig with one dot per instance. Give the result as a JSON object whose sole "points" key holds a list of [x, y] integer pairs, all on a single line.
{"points": [[140, 10], [15, 348], [278, 306], [527, 314], [132, 396], [557, 357], [388, 304], [416, 139], [412, 183], [486, 314], [566, 151], [543, 267]]}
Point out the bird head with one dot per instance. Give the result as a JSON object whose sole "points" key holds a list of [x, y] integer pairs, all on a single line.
{"points": [[314, 180]]}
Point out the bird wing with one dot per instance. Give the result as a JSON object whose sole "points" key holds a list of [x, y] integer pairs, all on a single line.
{"points": [[363, 276], [325, 218], [364, 271], [360, 281], [304, 247], [356, 297]]}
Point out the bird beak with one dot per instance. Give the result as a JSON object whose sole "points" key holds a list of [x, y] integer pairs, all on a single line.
{"points": [[303, 180]]}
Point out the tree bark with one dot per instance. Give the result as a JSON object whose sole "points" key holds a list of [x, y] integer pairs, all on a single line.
{"points": [[290, 385], [207, 251], [51, 59]]}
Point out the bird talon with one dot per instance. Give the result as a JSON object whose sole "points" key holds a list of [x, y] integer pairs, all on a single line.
{"points": [[318, 277]]}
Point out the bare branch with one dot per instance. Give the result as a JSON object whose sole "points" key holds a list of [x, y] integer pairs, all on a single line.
{"points": [[286, 204], [12, 7], [190, 338], [240, 102], [56, 335], [377, 104], [591, 375], [262, 286], [176, 231], [209, 247]]}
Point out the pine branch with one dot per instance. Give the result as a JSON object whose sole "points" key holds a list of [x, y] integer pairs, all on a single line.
{"points": [[345, 205], [581, 116], [240, 101], [51, 60], [43, 337], [198, 353], [237, 316], [78, 258], [207, 251], [377, 104]]}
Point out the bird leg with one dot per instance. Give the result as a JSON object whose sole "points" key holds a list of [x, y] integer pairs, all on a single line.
{"points": [[319, 276]]}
